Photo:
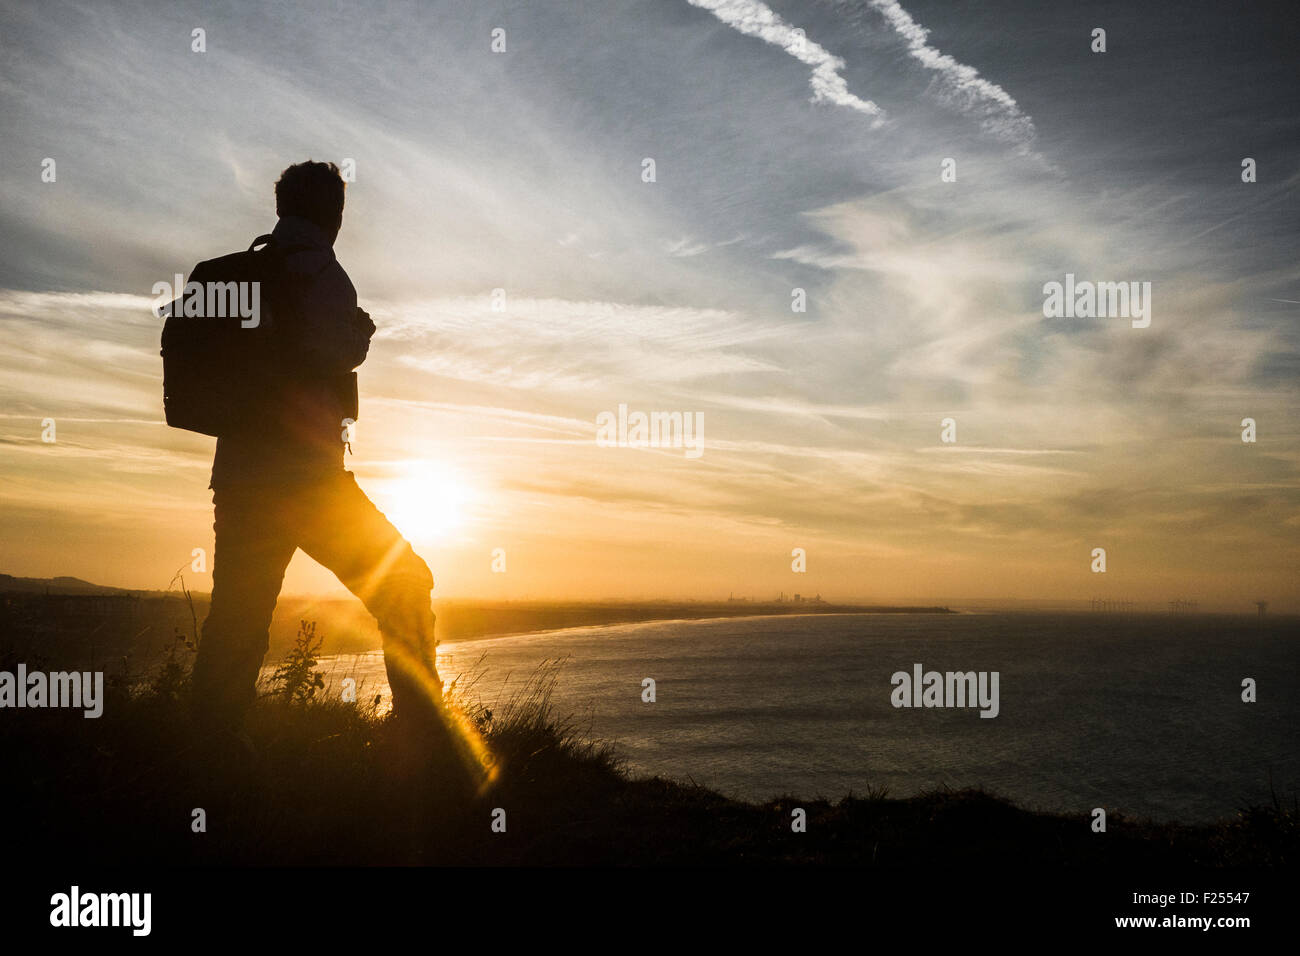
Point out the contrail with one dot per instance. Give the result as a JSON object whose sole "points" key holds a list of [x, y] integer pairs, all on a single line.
{"points": [[997, 110], [757, 20]]}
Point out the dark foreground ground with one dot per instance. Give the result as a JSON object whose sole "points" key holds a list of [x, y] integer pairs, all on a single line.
{"points": [[330, 784]]}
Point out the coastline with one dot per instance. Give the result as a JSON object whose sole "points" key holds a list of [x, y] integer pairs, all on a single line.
{"points": [[708, 613]]}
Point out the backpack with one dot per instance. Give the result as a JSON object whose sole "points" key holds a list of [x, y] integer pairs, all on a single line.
{"points": [[220, 371]]}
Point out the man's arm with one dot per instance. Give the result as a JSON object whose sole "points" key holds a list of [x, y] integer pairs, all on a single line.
{"points": [[332, 335]]}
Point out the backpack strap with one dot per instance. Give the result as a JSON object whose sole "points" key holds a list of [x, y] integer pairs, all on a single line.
{"points": [[269, 244]]}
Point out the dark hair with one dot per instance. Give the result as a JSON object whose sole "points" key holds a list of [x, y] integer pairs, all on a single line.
{"points": [[313, 191]]}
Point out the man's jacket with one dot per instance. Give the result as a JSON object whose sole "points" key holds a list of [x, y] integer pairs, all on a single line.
{"points": [[301, 434]]}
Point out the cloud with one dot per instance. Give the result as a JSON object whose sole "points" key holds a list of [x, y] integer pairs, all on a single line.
{"points": [[996, 109], [757, 20], [684, 247]]}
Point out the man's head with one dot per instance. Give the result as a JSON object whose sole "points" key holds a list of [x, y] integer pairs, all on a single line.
{"points": [[312, 191]]}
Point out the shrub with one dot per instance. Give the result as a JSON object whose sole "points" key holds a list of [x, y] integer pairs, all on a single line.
{"points": [[296, 678]]}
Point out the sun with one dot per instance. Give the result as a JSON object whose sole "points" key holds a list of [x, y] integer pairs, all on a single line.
{"points": [[427, 503]]}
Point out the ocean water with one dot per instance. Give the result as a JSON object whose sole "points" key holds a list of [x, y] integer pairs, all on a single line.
{"points": [[1137, 713]]}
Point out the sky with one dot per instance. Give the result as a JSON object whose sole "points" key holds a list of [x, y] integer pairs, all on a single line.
{"points": [[795, 146]]}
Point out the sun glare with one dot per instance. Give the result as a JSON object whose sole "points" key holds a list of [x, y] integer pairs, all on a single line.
{"points": [[428, 503]]}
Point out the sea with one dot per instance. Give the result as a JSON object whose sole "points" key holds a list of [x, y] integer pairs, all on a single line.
{"points": [[1142, 714]]}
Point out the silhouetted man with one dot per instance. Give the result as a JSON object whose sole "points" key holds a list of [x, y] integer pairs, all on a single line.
{"points": [[280, 485]]}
